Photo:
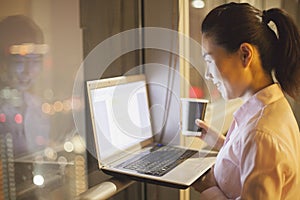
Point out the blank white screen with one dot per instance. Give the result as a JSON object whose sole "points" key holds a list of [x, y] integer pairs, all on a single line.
{"points": [[121, 116]]}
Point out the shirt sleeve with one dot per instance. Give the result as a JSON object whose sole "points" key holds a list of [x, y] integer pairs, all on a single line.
{"points": [[263, 167]]}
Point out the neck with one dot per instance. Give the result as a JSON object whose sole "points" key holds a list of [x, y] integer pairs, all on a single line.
{"points": [[260, 81]]}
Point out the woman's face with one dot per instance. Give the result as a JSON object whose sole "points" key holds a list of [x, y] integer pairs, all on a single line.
{"points": [[225, 70], [22, 71]]}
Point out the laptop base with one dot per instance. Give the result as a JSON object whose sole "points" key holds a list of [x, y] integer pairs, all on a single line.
{"points": [[156, 182]]}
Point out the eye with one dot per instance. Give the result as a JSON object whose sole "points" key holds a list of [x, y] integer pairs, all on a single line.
{"points": [[19, 67], [210, 62]]}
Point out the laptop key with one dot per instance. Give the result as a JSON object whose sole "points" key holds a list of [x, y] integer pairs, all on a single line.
{"points": [[160, 161]]}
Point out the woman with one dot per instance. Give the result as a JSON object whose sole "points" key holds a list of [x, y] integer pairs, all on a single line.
{"points": [[248, 58], [21, 59]]}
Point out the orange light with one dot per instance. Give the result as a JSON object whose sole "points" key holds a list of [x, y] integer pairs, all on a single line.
{"points": [[58, 106], [23, 50], [46, 108]]}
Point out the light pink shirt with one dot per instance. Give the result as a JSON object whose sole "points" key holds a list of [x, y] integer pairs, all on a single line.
{"points": [[261, 155]]}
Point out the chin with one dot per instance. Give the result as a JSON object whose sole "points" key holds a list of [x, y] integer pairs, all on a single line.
{"points": [[225, 98], [224, 94]]}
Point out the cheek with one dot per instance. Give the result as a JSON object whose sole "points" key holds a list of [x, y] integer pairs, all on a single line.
{"points": [[34, 71], [228, 87], [234, 89], [215, 73]]}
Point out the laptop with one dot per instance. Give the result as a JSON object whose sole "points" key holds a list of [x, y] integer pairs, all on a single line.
{"points": [[125, 142]]}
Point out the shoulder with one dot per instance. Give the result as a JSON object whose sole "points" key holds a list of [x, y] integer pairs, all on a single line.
{"points": [[272, 130], [275, 120]]}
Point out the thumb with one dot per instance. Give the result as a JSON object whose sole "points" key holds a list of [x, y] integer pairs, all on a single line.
{"points": [[202, 124]]}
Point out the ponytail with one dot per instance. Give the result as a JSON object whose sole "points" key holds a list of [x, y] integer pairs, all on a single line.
{"points": [[287, 70]]}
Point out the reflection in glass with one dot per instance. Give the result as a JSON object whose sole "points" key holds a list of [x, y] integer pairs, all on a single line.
{"points": [[33, 163]]}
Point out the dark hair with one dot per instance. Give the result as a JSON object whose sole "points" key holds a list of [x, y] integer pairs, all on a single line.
{"points": [[234, 23], [18, 29]]}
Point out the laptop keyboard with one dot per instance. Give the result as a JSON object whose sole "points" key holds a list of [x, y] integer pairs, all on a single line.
{"points": [[160, 161]]}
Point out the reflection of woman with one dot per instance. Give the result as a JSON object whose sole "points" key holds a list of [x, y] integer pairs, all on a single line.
{"points": [[21, 57], [260, 158]]}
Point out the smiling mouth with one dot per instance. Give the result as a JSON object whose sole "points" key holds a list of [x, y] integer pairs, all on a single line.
{"points": [[218, 84], [24, 82]]}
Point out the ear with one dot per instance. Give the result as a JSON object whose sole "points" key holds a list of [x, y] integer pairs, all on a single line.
{"points": [[246, 53]]}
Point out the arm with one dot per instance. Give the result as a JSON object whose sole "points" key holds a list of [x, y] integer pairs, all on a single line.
{"points": [[264, 167], [208, 188]]}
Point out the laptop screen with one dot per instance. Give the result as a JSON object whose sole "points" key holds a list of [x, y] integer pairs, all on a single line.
{"points": [[121, 115]]}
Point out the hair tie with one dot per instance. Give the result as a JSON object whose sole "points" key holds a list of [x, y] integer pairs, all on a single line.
{"points": [[265, 17]]}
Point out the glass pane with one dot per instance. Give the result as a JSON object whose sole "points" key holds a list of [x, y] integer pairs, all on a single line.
{"points": [[42, 154]]}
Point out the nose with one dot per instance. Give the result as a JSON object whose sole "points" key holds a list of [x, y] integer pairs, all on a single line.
{"points": [[26, 68], [31, 68]]}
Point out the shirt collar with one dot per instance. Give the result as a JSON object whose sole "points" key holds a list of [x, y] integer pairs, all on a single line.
{"points": [[259, 100]]}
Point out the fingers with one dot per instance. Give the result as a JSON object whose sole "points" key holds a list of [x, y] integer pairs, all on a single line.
{"points": [[202, 124], [204, 127]]}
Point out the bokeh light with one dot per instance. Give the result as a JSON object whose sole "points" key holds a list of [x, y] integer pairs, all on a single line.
{"points": [[18, 118], [68, 146], [38, 180], [50, 153], [46, 108], [48, 94], [2, 118], [58, 106]]}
